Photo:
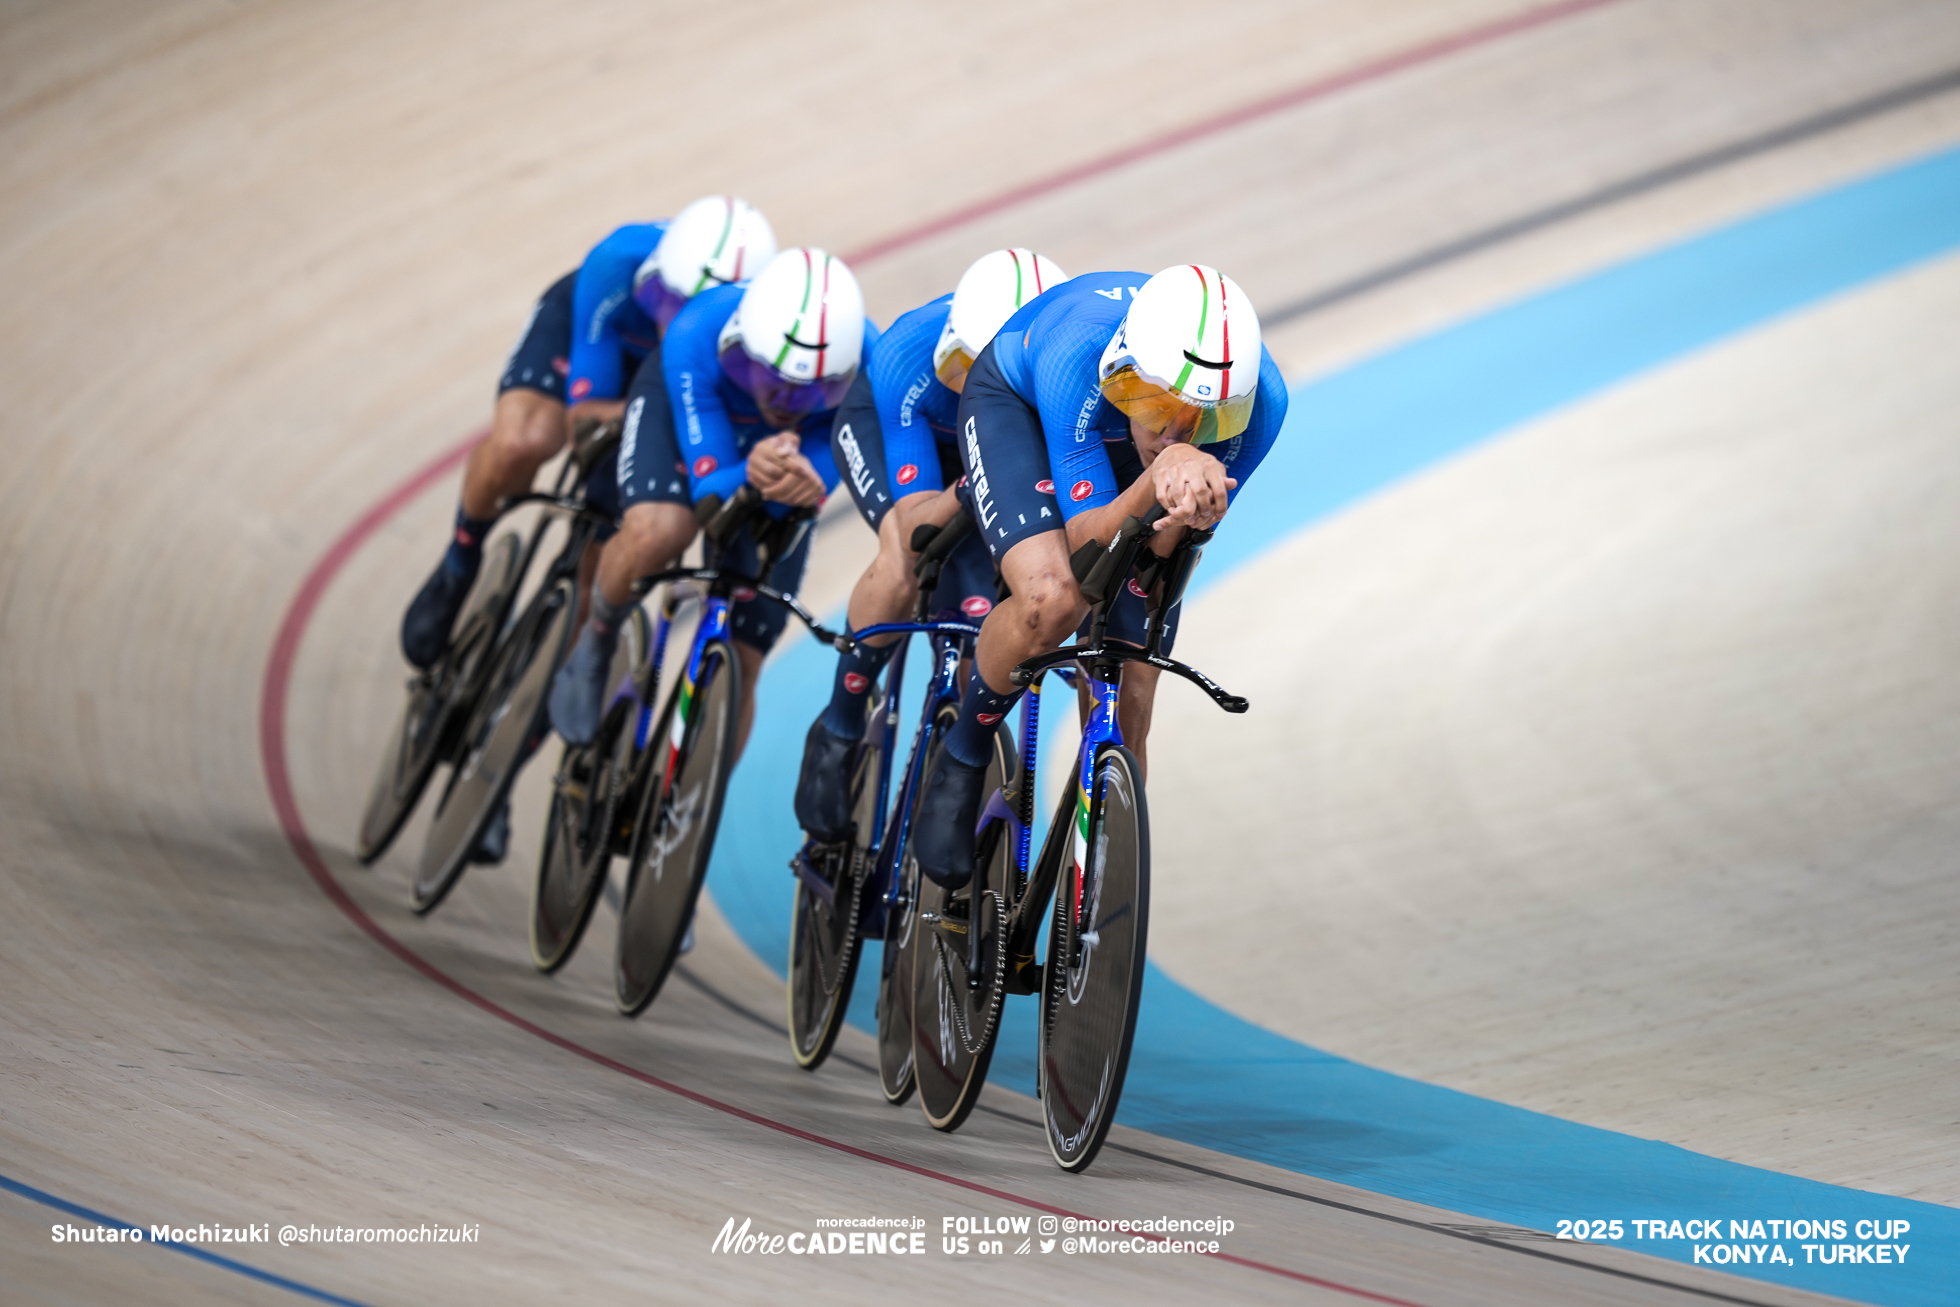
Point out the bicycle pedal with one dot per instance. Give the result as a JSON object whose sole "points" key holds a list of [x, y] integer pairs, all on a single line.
{"points": [[1023, 975]]}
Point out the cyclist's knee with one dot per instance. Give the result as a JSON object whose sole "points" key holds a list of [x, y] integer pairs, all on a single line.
{"points": [[528, 427], [655, 533], [1051, 606]]}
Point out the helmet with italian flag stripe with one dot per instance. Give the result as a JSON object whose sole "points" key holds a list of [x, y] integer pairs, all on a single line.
{"points": [[990, 290], [1185, 361], [795, 339], [716, 240]]}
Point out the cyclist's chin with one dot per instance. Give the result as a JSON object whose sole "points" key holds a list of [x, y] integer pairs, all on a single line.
{"points": [[781, 419]]}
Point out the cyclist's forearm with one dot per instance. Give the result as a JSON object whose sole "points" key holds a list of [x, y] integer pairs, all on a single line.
{"points": [[1101, 524]]}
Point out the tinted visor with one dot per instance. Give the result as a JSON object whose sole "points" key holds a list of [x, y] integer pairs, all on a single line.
{"points": [[1154, 404], [783, 402], [952, 367], [662, 302]]}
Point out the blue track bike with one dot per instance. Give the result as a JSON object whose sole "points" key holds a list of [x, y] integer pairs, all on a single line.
{"points": [[971, 947], [845, 892], [649, 787]]}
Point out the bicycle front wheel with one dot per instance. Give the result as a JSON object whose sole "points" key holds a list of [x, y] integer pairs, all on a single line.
{"points": [[505, 727], [675, 831], [590, 818], [959, 967], [895, 1076], [1094, 977], [824, 937], [433, 700]]}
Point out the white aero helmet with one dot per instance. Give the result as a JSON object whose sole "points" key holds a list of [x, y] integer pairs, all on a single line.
{"points": [[989, 292], [795, 339], [716, 240], [1186, 359]]}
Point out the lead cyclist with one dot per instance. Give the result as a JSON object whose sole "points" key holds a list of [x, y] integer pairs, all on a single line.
{"points": [[1103, 397]]}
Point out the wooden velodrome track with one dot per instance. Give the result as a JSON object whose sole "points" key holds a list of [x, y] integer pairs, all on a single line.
{"points": [[263, 262]]}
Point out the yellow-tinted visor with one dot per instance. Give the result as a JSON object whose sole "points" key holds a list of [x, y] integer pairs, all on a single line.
{"points": [[951, 369], [1158, 407]]}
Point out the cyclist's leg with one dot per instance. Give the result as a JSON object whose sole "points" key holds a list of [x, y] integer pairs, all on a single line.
{"points": [[526, 430], [1007, 457], [656, 526]]}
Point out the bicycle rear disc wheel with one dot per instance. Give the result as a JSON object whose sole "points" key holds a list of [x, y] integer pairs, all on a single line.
{"points": [[505, 726], [955, 1004], [675, 830], [1094, 977], [415, 747], [824, 937], [589, 818]]}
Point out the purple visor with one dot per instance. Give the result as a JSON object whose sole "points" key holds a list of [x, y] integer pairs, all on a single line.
{"points": [[660, 301], [782, 401]]}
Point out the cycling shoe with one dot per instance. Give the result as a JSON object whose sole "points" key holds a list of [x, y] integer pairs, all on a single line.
{"points": [[823, 788], [947, 815], [431, 614], [578, 691], [494, 843]]}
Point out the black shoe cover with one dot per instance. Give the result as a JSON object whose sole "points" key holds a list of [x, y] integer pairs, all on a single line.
{"points": [[494, 843], [823, 787], [430, 615], [947, 816]]}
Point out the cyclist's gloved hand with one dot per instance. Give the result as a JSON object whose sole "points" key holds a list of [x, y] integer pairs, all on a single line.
{"points": [[777, 468], [1191, 485]]}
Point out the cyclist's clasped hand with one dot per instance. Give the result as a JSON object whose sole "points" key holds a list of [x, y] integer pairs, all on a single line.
{"points": [[778, 468], [1191, 485]]}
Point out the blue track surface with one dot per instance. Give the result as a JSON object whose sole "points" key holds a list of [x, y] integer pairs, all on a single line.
{"points": [[1204, 1076]]}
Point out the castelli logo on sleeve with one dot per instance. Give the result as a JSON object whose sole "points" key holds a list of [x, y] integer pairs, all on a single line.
{"points": [[856, 683], [908, 474], [581, 388], [1080, 491], [742, 594], [704, 465], [977, 606], [1045, 487], [987, 718], [1138, 590]]}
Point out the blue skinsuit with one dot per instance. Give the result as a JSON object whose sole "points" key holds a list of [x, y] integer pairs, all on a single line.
{"points": [[610, 331]]}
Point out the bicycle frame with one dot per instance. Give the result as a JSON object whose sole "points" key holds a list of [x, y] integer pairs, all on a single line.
{"points": [[949, 640], [714, 625]]}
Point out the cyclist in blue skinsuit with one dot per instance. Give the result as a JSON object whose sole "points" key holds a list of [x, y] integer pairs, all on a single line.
{"points": [[894, 442], [1105, 396], [752, 377], [590, 332], [585, 338]]}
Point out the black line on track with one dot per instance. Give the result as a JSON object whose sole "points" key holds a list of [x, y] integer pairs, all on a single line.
{"points": [[1639, 184], [750, 1015]]}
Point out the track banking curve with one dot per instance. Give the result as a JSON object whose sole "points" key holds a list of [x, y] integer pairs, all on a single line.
{"points": [[292, 628]]}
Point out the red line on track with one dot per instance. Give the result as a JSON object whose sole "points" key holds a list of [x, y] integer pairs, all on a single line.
{"points": [[299, 614], [1319, 89]]}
